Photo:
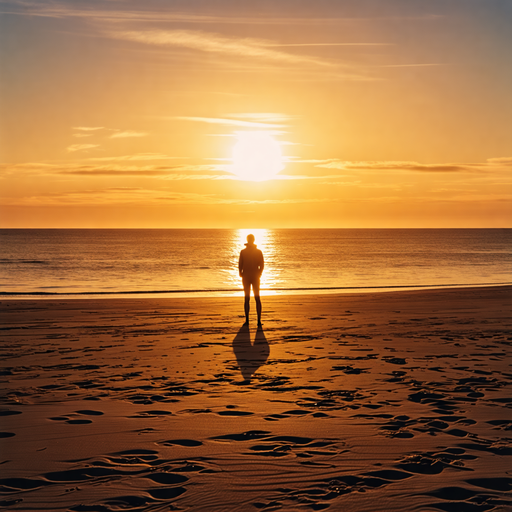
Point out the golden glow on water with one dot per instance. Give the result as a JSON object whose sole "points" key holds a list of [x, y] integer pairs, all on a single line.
{"points": [[265, 241]]}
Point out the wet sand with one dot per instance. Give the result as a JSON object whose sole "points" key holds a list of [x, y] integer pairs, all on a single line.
{"points": [[359, 402]]}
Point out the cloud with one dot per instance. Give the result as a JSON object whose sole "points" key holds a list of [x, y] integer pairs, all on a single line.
{"points": [[109, 196], [139, 196], [507, 160], [331, 44], [400, 166], [229, 122], [56, 10], [297, 160], [115, 168], [265, 117], [118, 134], [135, 165], [88, 128], [138, 156], [27, 168], [491, 164], [175, 173], [127, 133], [81, 147], [123, 24], [426, 65], [468, 198], [215, 43], [179, 172], [115, 172], [167, 174]]}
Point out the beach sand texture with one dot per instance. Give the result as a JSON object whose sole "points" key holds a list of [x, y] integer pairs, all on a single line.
{"points": [[359, 402]]}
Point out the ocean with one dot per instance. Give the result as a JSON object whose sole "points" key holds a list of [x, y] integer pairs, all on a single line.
{"points": [[201, 262]]}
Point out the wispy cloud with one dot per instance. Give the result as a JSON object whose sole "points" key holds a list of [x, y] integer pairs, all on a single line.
{"points": [[110, 196], [181, 172], [168, 176], [123, 24], [230, 122], [403, 166], [127, 133], [505, 161], [61, 10], [115, 172], [419, 65], [89, 131], [139, 196], [127, 165], [115, 169], [330, 44], [137, 157], [216, 43], [88, 128], [81, 147], [466, 198], [264, 117]]}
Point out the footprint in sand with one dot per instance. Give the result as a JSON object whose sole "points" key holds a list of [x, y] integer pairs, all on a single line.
{"points": [[72, 420], [390, 474], [244, 436], [462, 498], [167, 478], [292, 413], [395, 360], [15, 485], [501, 424], [275, 417], [234, 413], [87, 412], [166, 493], [151, 414], [433, 463], [181, 442], [495, 484]]}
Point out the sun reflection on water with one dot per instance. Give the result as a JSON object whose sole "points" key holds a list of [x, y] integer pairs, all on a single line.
{"points": [[265, 241]]}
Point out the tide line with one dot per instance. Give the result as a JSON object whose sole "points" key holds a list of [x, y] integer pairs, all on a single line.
{"points": [[232, 290]]}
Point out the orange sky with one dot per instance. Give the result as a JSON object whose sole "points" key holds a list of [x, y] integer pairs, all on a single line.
{"points": [[124, 114]]}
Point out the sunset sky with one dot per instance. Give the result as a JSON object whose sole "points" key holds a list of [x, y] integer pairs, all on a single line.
{"points": [[388, 113]]}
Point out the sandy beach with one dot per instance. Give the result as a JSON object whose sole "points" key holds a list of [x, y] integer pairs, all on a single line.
{"points": [[357, 402]]}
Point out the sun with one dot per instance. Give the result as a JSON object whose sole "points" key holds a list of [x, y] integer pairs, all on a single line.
{"points": [[256, 156]]}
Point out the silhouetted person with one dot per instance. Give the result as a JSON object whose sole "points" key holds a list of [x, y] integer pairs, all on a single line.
{"points": [[250, 267]]}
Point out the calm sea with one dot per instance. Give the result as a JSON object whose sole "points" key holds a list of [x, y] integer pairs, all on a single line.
{"points": [[203, 262]]}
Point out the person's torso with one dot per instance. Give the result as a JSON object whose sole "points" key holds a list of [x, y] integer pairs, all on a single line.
{"points": [[251, 260]]}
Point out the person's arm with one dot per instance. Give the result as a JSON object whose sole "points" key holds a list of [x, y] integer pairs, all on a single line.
{"points": [[262, 264], [240, 265]]}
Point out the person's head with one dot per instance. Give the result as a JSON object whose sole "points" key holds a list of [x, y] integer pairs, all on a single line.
{"points": [[250, 239]]}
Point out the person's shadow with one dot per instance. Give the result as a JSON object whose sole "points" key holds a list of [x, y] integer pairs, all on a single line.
{"points": [[250, 356]]}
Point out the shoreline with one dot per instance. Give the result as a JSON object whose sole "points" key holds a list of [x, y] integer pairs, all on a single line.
{"points": [[335, 290]]}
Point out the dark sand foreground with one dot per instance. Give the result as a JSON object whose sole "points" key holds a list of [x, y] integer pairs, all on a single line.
{"points": [[366, 402]]}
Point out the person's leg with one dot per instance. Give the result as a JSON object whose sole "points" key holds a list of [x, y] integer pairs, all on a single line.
{"points": [[256, 290], [247, 297], [247, 307], [258, 310]]}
